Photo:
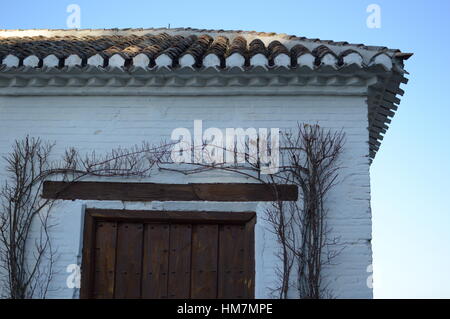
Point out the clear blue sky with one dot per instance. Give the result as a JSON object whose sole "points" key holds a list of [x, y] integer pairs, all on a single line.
{"points": [[411, 173]]}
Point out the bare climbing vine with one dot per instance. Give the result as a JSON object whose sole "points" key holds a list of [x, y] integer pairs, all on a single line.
{"points": [[27, 259], [309, 159]]}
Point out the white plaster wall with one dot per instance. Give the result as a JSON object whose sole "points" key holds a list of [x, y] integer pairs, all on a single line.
{"points": [[102, 123]]}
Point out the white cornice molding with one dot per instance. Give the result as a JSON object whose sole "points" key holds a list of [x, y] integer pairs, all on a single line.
{"points": [[21, 81]]}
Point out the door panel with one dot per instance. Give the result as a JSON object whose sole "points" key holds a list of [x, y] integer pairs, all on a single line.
{"points": [[179, 261], [143, 258], [204, 261], [231, 280], [155, 266], [128, 260], [105, 259]]}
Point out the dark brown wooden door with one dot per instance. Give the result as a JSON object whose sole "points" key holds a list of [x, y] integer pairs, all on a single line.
{"points": [[168, 255]]}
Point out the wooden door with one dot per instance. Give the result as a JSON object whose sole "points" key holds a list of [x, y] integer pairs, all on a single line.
{"points": [[130, 254]]}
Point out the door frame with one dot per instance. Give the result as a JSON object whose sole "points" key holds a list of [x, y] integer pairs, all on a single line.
{"points": [[92, 216]]}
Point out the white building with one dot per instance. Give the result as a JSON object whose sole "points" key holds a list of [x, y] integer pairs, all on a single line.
{"points": [[96, 90]]}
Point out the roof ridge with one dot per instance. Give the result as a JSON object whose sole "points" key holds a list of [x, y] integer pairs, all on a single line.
{"points": [[8, 33]]}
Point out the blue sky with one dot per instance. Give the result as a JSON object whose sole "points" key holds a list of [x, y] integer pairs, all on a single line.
{"points": [[411, 173]]}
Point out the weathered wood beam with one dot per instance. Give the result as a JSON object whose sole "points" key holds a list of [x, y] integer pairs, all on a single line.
{"points": [[221, 192]]}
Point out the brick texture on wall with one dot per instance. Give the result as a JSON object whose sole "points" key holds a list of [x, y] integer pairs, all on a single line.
{"points": [[101, 123]]}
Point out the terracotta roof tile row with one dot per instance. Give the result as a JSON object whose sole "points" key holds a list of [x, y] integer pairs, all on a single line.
{"points": [[155, 50]]}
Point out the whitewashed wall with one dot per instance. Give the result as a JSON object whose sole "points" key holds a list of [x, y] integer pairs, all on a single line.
{"points": [[102, 123]]}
